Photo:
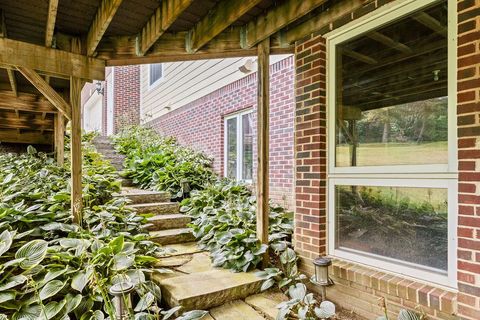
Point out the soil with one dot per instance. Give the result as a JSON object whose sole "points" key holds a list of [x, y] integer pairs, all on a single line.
{"points": [[344, 314]]}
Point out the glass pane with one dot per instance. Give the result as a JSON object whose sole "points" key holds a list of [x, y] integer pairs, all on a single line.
{"points": [[391, 103], [155, 72], [247, 135], [408, 224], [231, 148]]}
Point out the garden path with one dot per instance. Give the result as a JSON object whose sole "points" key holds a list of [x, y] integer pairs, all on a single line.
{"points": [[192, 281]]}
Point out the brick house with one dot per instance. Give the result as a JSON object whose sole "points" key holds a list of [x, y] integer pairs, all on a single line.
{"points": [[195, 101], [386, 155]]}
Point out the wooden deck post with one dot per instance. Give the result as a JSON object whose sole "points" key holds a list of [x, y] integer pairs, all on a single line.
{"points": [[58, 138], [76, 150], [263, 93]]}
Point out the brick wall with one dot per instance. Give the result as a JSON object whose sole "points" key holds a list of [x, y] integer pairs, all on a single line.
{"points": [[126, 96], [468, 120], [200, 123], [358, 287]]}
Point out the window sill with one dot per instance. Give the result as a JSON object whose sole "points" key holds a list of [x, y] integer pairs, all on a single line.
{"points": [[383, 283]]}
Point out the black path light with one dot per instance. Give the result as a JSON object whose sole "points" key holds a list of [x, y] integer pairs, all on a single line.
{"points": [[321, 278]]}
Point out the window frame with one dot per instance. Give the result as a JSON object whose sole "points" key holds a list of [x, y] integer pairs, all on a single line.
{"points": [[428, 175], [156, 82], [238, 117]]}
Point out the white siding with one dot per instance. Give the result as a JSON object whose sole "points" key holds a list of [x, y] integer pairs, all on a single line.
{"points": [[187, 81]]}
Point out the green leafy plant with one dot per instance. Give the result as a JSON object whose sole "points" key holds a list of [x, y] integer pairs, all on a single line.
{"points": [[51, 268], [158, 163]]}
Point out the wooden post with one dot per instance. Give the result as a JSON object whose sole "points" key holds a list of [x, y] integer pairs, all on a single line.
{"points": [[59, 140], [263, 93], [76, 150], [76, 141]]}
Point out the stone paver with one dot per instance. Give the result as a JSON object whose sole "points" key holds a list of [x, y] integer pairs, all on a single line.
{"points": [[235, 310], [200, 262], [182, 248], [175, 261], [265, 303]]}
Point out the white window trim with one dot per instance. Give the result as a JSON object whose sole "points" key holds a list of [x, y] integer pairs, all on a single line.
{"points": [[157, 82], [238, 116], [433, 175]]}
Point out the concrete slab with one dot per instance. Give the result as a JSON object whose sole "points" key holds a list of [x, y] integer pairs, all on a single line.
{"points": [[235, 310]]}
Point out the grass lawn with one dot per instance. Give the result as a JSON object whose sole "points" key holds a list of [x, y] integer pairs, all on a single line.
{"points": [[376, 154]]}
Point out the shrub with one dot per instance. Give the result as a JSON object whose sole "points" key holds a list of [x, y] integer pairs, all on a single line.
{"points": [[158, 163]]}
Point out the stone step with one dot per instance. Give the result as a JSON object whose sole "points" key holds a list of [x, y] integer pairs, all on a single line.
{"points": [[235, 310], [205, 290], [266, 303], [170, 236], [156, 207], [182, 248], [139, 196], [168, 221], [118, 166], [126, 182], [109, 152]]}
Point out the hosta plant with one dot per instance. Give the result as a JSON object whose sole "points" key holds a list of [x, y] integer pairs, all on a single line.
{"points": [[51, 268], [158, 163]]}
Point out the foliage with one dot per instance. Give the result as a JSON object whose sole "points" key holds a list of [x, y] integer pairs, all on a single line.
{"points": [[158, 163], [224, 221], [53, 269]]}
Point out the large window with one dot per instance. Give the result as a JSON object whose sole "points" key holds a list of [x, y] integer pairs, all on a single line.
{"points": [[239, 146], [155, 73], [392, 167]]}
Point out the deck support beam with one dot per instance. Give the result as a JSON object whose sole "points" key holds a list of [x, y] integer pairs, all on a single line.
{"points": [[58, 138], [263, 100], [76, 157]]}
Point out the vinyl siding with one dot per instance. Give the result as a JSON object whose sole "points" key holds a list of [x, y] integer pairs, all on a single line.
{"points": [[187, 81]]}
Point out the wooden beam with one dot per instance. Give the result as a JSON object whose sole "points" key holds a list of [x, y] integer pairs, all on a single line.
{"points": [[263, 101], [159, 22], [431, 23], [76, 150], [13, 81], [3, 27], [100, 23], [49, 61], [52, 16], [14, 136], [218, 19], [25, 102], [45, 89], [171, 47], [59, 138], [322, 20], [277, 18], [389, 42], [359, 56], [76, 157]]}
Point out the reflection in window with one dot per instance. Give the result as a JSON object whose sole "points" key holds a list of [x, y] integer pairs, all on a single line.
{"points": [[391, 99], [155, 72], [408, 224], [232, 148], [247, 146]]}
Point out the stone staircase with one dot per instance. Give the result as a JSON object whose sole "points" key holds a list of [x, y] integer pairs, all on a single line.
{"points": [[193, 283]]}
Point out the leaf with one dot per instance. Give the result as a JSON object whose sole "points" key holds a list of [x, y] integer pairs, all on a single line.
{"points": [[145, 302], [405, 314], [31, 312], [72, 302], [51, 289], [267, 284], [54, 273], [167, 314], [98, 315], [193, 315], [13, 282], [326, 310], [297, 291], [33, 252], [7, 296], [5, 241], [302, 312], [31, 150], [122, 261], [8, 178], [117, 244], [53, 308], [79, 281], [154, 289]]}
